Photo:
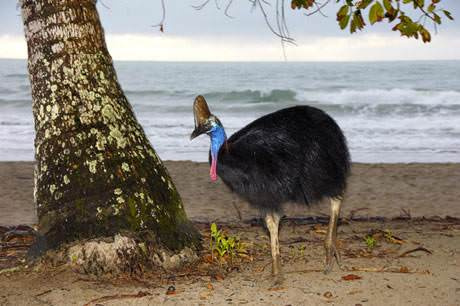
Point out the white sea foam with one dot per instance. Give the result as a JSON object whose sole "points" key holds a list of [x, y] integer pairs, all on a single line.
{"points": [[390, 112]]}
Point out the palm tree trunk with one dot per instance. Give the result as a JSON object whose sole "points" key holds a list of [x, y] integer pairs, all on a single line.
{"points": [[96, 173]]}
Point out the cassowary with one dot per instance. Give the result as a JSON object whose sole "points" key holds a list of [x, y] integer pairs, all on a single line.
{"points": [[297, 154]]}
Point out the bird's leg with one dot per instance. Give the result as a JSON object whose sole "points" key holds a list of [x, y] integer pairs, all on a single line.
{"points": [[330, 243], [272, 220]]}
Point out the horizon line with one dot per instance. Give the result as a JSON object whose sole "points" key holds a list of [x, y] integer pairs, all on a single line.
{"points": [[268, 61]]}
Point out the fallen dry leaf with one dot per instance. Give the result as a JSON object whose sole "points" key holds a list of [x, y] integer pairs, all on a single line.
{"points": [[404, 269], [416, 250], [328, 294], [351, 277], [210, 286], [208, 258], [276, 288]]}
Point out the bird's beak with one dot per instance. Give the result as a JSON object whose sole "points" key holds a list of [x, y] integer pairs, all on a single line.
{"points": [[198, 131]]}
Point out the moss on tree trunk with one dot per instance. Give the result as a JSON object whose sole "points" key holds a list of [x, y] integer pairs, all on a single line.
{"points": [[96, 172]]}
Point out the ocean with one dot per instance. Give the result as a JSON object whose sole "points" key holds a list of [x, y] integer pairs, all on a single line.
{"points": [[389, 111]]}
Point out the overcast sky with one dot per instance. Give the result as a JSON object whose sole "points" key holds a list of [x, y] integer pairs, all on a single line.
{"points": [[208, 35]]}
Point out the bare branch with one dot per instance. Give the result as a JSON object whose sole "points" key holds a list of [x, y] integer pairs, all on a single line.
{"points": [[163, 17], [227, 8], [200, 6], [284, 38], [104, 5], [217, 4], [318, 9]]}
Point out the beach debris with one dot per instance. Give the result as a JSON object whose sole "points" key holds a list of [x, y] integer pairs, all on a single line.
{"points": [[43, 293], [402, 269], [418, 249], [107, 298], [351, 215], [405, 213], [351, 277], [171, 290], [276, 289], [392, 238], [328, 295], [15, 242]]}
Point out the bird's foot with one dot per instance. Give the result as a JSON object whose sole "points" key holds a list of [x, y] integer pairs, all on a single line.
{"points": [[276, 266], [331, 254]]}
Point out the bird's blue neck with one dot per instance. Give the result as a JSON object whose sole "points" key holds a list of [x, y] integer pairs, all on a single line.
{"points": [[218, 138]]}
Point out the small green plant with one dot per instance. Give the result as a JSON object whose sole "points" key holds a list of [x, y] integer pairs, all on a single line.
{"points": [[223, 245], [371, 242]]}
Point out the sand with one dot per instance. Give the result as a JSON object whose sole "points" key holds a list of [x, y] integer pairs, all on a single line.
{"points": [[375, 190], [426, 277]]}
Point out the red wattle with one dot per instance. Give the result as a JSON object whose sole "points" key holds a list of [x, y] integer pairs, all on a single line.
{"points": [[213, 171]]}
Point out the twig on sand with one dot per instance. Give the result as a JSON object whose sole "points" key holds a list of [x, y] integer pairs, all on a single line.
{"points": [[107, 298], [403, 270], [416, 250], [406, 213], [353, 212], [305, 271], [43, 293]]}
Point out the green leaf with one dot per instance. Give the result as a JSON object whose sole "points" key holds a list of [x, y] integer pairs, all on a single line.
{"points": [[437, 18], [357, 22], [448, 14], [344, 22], [343, 11], [213, 228], [343, 17], [387, 5], [431, 8], [419, 3], [426, 36], [376, 13], [363, 4]]}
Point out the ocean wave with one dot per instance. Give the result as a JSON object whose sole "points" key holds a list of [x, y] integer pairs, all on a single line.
{"points": [[253, 96], [382, 110], [153, 92], [383, 96], [16, 75], [15, 102]]}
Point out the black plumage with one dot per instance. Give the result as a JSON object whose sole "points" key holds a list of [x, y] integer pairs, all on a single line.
{"points": [[297, 154]]}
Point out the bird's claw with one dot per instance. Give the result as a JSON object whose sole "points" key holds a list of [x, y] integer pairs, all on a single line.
{"points": [[276, 267], [331, 253]]}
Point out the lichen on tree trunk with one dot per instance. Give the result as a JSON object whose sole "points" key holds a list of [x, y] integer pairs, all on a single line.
{"points": [[96, 173]]}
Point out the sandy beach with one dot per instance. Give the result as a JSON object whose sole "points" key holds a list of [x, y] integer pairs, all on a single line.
{"points": [[419, 267], [375, 190]]}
